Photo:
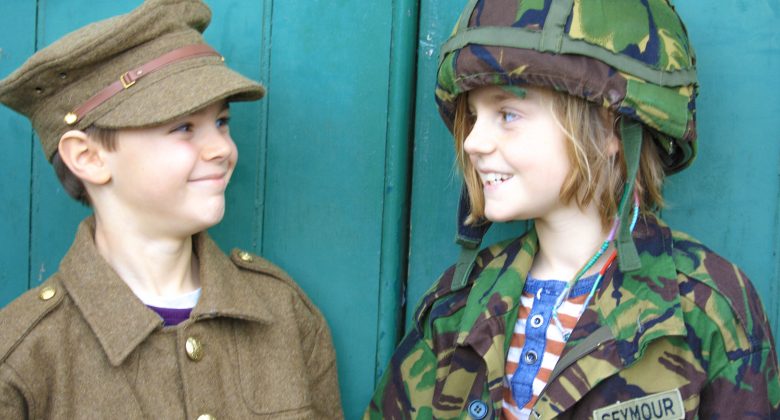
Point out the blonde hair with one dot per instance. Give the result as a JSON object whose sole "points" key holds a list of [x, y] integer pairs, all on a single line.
{"points": [[596, 174]]}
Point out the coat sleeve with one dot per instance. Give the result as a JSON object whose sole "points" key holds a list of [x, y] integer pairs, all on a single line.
{"points": [[323, 375]]}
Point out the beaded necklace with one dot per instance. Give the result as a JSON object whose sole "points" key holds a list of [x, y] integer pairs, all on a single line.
{"points": [[565, 294]]}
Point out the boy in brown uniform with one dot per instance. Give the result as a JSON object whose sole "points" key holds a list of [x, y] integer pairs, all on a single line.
{"points": [[146, 317]]}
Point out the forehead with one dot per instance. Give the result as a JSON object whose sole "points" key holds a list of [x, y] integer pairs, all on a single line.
{"points": [[498, 94]]}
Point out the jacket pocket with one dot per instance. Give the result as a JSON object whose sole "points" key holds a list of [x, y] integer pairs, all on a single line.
{"points": [[272, 369]]}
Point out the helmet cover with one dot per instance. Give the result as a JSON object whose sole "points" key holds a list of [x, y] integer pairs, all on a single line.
{"points": [[630, 56]]}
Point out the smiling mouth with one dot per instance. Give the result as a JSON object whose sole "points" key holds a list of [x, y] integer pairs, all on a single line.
{"points": [[214, 177], [493, 178]]}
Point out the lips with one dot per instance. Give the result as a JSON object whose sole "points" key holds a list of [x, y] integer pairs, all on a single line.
{"points": [[212, 181], [211, 177]]}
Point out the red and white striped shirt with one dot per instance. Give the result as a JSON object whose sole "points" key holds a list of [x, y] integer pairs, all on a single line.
{"points": [[537, 341]]}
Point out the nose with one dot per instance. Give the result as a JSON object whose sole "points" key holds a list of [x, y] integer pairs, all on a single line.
{"points": [[479, 141], [218, 146]]}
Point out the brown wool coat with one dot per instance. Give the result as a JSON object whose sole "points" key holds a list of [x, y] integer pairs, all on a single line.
{"points": [[94, 351]]}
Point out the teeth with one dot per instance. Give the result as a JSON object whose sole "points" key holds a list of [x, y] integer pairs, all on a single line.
{"points": [[494, 178]]}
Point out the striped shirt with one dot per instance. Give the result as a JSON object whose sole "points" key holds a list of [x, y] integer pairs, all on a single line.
{"points": [[537, 341]]}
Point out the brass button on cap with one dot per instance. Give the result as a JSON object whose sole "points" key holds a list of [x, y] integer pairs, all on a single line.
{"points": [[47, 293], [70, 118], [194, 350], [245, 256], [206, 417]]}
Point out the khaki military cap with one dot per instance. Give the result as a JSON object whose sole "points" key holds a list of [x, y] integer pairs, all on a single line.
{"points": [[144, 68]]}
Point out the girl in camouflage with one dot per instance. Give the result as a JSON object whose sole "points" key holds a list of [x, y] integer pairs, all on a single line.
{"points": [[567, 113]]}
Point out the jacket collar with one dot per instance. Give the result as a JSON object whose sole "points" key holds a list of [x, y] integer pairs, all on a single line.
{"points": [[120, 321], [636, 306], [641, 305], [497, 288]]}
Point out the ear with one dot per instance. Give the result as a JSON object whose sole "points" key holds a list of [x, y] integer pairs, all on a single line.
{"points": [[613, 138], [84, 157], [613, 143]]}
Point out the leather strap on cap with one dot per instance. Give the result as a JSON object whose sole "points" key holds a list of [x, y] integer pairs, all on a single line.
{"points": [[129, 78]]}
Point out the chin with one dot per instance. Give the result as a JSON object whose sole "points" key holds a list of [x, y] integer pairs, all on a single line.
{"points": [[499, 217], [210, 218], [499, 213]]}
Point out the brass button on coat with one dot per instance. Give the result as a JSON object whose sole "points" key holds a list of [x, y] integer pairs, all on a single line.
{"points": [[47, 293], [206, 417], [245, 256], [194, 350]]}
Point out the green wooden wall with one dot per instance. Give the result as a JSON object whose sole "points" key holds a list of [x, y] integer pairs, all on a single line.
{"points": [[345, 176]]}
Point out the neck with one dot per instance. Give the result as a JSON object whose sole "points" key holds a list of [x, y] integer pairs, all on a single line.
{"points": [[153, 265], [567, 242]]}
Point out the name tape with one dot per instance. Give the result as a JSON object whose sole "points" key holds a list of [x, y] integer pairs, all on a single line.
{"points": [[662, 406]]}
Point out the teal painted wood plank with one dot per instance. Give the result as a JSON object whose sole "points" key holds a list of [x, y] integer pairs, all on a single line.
{"points": [[327, 126], [395, 214], [729, 197], [240, 30], [17, 42], [435, 185]]}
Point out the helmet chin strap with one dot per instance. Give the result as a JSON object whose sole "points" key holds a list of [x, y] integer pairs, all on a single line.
{"points": [[631, 135], [469, 237]]}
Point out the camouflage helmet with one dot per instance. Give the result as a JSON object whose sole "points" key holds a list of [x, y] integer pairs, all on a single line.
{"points": [[632, 57]]}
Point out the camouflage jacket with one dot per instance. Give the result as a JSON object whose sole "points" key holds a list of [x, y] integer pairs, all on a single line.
{"points": [[686, 332]]}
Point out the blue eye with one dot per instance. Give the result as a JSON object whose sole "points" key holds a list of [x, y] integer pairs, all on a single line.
{"points": [[508, 117]]}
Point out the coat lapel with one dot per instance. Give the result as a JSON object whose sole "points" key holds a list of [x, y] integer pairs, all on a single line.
{"points": [[485, 326]]}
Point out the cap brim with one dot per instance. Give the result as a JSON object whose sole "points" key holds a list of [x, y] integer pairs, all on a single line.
{"points": [[177, 94]]}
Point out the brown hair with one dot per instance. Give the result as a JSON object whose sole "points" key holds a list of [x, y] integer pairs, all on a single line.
{"points": [[70, 182], [595, 175]]}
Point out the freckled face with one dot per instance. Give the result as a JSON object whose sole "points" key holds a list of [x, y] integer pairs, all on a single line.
{"points": [[519, 152], [172, 178]]}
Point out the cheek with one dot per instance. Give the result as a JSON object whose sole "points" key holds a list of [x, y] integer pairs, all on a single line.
{"points": [[169, 165], [234, 154], [179, 156]]}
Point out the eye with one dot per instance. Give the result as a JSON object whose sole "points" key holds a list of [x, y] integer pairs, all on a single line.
{"points": [[509, 116], [223, 122], [182, 128]]}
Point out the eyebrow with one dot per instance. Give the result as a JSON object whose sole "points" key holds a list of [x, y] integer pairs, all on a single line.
{"points": [[502, 96], [498, 97]]}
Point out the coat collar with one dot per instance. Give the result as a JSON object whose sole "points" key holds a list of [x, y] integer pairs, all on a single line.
{"points": [[120, 321], [641, 305], [636, 306], [497, 288]]}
